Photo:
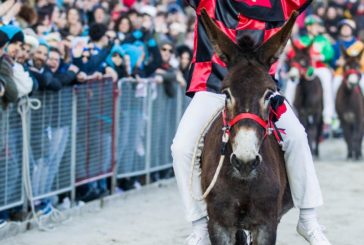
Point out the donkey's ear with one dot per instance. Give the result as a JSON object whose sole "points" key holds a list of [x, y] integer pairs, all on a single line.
{"points": [[344, 53], [225, 48], [270, 51], [360, 55], [295, 48]]}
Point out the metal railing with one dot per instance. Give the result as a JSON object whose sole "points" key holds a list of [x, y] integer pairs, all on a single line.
{"points": [[86, 133]]}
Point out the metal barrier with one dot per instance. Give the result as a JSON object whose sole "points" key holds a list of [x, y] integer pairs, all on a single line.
{"points": [[11, 191], [50, 144], [94, 131], [86, 133]]}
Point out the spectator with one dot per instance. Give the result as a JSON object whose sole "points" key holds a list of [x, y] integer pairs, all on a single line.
{"points": [[41, 72], [65, 73], [166, 74]]}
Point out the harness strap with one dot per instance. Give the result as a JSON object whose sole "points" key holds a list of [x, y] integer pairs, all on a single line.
{"points": [[251, 116]]}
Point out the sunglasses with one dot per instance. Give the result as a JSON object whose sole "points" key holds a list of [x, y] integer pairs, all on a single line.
{"points": [[167, 49]]}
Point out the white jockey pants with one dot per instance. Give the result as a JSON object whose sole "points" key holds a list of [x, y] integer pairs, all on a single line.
{"points": [[302, 178], [325, 76]]}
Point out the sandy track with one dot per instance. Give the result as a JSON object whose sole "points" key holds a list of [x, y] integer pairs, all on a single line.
{"points": [[155, 216]]}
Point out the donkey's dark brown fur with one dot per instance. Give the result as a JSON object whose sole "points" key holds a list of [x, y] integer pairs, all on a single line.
{"points": [[350, 109], [247, 198], [308, 101]]}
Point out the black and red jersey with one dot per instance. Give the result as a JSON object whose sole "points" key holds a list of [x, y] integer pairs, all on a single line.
{"points": [[256, 19]]}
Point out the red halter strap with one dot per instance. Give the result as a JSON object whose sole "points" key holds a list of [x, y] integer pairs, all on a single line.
{"points": [[250, 116], [351, 72]]}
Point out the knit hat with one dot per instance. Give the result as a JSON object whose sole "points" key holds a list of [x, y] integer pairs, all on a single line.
{"points": [[312, 19], [31, 41], [347, 22], [3, 39], [115, 49], [14, 33]]}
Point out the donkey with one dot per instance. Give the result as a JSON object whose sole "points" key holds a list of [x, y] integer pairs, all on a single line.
{"points": [[252, 191], [350, 105], [308, 101]]}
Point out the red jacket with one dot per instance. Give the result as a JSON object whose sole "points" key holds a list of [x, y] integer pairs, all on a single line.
{"points": [[258, 19]]}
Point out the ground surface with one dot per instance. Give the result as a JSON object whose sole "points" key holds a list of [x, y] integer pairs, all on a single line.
{"points": [[155, 216]]}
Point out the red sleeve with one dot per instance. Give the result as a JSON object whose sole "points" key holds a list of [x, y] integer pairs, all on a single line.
{"points": [[288, 6]]}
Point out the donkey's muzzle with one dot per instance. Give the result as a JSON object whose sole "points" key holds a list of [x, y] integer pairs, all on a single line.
{"points": [[245, 168]]}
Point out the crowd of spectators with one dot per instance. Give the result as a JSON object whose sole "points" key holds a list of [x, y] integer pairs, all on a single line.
{"points": [[50, 44], [47, 45]]}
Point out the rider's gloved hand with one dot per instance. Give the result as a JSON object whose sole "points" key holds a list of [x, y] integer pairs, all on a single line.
{"points": [[278, 107]]}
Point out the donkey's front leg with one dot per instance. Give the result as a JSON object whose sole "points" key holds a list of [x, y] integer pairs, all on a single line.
{"points": [[220, 235], [265, 234]]}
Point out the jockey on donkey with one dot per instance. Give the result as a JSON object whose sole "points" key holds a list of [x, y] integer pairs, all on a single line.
{"points": [[254, 163], [308, 100], [350, 104]]}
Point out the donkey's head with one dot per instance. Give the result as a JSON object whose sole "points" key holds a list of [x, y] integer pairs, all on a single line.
{"points": [[351, 68], [248, 88], [301, 63]]}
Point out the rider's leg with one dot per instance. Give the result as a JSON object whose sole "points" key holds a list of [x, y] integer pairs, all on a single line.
{"points": [[325, 76], [290, 90], [305, 188], [200, 110]]}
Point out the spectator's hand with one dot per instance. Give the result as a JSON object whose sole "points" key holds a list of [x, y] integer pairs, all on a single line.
{"points": [[73, 69], [5, 7], [111, 72], [180, 79], [82, 77], [77, 50], [160, 71], [2, 90], [14, 10], [158, 79], [96, 75]]}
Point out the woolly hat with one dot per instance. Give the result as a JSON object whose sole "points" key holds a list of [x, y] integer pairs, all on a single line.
{"points": [[312, 19], [14, 33], [31, 41], [3, 39], [115, 49], [347, 22]]}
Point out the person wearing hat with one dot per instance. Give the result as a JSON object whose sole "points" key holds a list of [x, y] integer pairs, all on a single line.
{"points": [[19, 77], [16, 40], [353, 47], [322, 53]]}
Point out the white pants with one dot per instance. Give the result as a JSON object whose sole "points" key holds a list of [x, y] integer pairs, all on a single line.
{"points": [[302, 178], [325, 76]]}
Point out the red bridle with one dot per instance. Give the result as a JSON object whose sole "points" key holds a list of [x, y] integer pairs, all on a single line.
{"points": [[268, 126], [351, 72]]}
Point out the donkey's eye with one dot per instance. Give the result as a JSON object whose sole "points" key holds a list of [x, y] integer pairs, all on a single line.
{"points": [[227, 94], [268, 95]]}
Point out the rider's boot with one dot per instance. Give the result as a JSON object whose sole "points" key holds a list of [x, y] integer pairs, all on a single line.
{"points": [[309, 228], [199, 235]]}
